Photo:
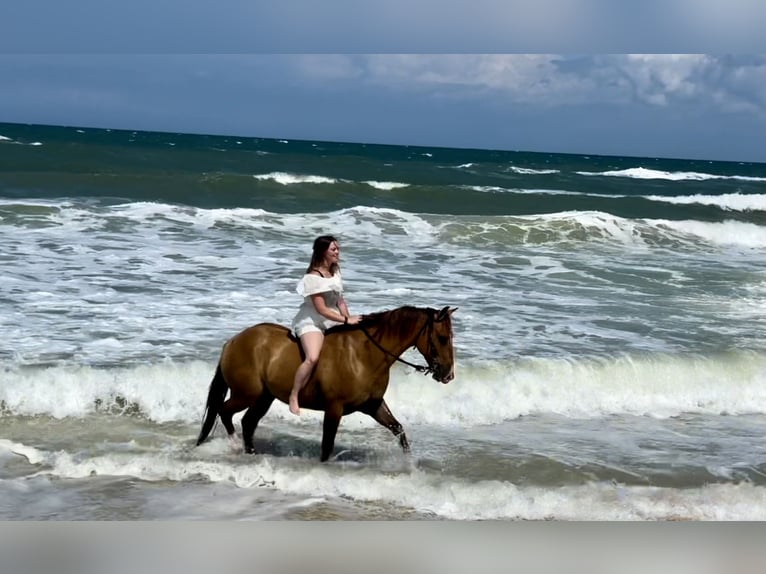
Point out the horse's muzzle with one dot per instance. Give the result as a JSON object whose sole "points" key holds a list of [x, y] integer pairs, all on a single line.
{"points": [[443, 377]]}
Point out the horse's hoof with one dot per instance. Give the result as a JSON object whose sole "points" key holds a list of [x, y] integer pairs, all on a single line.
{"points": [[249, 450]]}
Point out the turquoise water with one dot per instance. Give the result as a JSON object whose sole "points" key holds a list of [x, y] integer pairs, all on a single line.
{"points": [[611, 358]]}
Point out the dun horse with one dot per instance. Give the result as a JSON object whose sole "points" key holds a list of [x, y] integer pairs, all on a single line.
{"points": [[258, 365]]}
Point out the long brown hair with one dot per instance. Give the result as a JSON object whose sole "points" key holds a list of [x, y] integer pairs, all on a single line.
{"points": [[321, 245]]}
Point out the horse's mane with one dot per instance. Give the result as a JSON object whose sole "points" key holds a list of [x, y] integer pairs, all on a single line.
{"points": [[401, 319], [406, 312]]}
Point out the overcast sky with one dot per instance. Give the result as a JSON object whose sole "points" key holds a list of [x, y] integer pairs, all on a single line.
{"points": [[97, 73]]}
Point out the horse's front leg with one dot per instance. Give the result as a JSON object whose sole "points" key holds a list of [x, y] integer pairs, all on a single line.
{"points": [[332, 415], [379, 411]]}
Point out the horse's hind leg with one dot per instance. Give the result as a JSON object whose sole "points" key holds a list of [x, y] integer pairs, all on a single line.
{"points": [[229, 409], [252, 417], [379, 411]]}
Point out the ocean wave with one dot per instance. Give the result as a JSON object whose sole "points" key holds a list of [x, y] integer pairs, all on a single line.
{"points": [[483, 392], [370, 222], [284, 178], [596, 226], [644, 173], [649, 385], [723, 234], [386, 185], [4, 139], [529, 171], [659, 232], [727, 201], [32, 454], [374, 222], [449, 497], [530, 191]]}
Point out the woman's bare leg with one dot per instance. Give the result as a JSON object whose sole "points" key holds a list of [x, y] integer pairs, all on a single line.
{"points": [[312, 345]]}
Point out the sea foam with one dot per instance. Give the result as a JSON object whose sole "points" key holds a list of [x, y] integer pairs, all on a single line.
{"points": [[386, 185], [645, 173], [290, 178], [449, 498], [728, 201], [484, 392]]}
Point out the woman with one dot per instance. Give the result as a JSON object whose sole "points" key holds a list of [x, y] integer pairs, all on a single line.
{"points": [[323, 306]]}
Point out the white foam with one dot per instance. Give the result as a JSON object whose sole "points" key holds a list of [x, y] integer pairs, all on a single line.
{"points": [[164, 392], [529, 171], [730, 201], [642, 232], [727, 201], [9, 140], [386, 185], [449, 499], [290, 178], [145, 212], [654, 385], [527, 191], [644, 173], [485, 392], [33, 455], [598, 227], [725, 233]]}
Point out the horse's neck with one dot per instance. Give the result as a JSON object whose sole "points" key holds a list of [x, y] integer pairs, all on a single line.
{"points": [[391, 338]]}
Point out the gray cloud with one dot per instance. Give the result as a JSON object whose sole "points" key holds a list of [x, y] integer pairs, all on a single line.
{"points": [[659, 105], [729, 83]]}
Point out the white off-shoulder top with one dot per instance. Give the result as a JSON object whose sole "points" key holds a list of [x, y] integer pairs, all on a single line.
{"points": [[311, 284], [308, 318]]}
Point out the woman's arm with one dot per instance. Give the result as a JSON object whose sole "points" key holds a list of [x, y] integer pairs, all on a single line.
{"points": [[319, 304], [343, 307]]}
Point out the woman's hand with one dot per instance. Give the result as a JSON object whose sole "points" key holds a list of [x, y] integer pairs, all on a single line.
{"points": [[353, 319]]}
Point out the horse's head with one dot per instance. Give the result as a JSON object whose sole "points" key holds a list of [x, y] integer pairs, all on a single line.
{"points": [[436, 344]]}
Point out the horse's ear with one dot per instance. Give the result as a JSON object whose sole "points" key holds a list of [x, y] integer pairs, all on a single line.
{"points": [[453, 309], [443, 313]]}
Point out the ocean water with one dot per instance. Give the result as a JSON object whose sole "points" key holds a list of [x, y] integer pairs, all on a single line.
{"points": [[611, 358]]}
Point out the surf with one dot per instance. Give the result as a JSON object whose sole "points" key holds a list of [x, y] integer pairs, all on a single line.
{"points": [[486, 392]]}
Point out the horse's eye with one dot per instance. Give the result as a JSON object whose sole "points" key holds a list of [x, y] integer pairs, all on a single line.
{"points": [[443, 339]]}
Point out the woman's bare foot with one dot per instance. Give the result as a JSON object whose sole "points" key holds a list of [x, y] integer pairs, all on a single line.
{"points": [[294, 408]]}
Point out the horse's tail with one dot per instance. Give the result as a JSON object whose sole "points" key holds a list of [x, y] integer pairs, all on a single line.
{"points": [[215, 397]]}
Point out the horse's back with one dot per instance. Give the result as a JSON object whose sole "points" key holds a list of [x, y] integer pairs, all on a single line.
{"points": [[266, 356], [258, 354], [259, 340]]}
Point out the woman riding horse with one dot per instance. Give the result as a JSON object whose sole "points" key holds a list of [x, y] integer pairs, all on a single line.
{"points": [[259, 365]]}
